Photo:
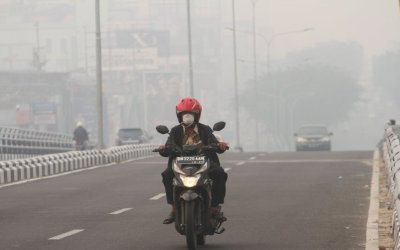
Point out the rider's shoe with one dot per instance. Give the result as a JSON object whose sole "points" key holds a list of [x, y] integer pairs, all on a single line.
{"points": [[170, 219], [217, 214]]}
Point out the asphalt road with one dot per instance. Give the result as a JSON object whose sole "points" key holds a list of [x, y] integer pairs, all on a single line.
{"points": [[308, 200]]}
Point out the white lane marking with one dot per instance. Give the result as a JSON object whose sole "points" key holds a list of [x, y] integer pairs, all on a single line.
{"points": [[252, 158], [227, 169], [240, 163], [121, 211], [67, 234], [158, 196], [372, 239]]}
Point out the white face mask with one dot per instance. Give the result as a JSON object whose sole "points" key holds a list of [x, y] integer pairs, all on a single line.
{"points": [[188, 119]]}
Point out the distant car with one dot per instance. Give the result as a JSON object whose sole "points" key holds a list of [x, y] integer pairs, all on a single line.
{"points": [[313, 137], [127, 136]]}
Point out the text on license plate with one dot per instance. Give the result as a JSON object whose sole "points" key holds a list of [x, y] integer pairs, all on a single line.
{"points": [[191, 160]]}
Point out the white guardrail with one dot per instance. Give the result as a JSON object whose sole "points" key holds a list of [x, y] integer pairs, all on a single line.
{"points": [[47, 165], [17, 143], [391, 155]]}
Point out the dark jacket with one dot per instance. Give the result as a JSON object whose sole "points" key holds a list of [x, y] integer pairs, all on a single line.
{"points": [[80, 134], [206, 135]]}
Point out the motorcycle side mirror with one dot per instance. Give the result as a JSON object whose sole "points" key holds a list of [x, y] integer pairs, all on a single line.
{"points": [[219, 126], [162, 129]]}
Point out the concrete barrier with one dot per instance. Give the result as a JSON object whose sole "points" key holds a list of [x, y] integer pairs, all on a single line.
{"points": [[47, 165]]}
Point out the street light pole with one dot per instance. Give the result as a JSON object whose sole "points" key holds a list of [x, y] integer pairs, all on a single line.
{"points": [[191, 90], [99, 79], [255, 77], [236, 78]]}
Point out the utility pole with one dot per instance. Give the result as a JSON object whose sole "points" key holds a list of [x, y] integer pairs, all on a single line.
{"points": [[236, 79], [99, 79], [191, 87]]}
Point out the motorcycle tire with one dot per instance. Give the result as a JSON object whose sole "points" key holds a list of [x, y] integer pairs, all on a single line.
{"points": [[190, 218]]}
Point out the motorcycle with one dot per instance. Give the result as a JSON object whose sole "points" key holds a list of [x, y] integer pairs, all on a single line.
{"points": [[192, 191]]}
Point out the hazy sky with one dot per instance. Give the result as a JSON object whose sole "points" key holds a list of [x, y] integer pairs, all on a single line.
{"points": [[373, 23]]}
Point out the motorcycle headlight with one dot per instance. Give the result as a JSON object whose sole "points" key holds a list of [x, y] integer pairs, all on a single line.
{"points": [[301, 139], [189, 181]]}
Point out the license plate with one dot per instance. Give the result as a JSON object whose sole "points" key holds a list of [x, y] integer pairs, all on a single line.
{"points": [[191, 160]]}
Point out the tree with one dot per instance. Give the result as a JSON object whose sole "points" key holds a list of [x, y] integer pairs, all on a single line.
{"points": [[315, 94], [386, 75], [319, 91], [343, 55]]}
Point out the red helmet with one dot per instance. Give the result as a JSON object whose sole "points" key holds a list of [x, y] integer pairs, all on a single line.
{"points": [[190, 105]]}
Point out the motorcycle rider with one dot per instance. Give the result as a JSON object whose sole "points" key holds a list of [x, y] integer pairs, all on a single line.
{"points": [[81, 136], [190, 131]]}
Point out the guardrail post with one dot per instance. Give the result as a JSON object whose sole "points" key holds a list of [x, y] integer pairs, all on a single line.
{"points": [[2, 173]]}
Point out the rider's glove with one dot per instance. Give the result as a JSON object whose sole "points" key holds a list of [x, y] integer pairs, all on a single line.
{"points": [[161, 148], [222, 146]]}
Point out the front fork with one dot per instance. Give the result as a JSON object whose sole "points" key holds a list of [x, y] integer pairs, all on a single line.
{"points": [[180, 222]]}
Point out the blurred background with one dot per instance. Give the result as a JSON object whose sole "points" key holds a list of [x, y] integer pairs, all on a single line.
{"points": [[297, 62]]}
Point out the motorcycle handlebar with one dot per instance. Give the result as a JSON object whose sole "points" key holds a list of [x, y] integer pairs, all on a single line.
{"points": [[173, 149], [212, 147]]}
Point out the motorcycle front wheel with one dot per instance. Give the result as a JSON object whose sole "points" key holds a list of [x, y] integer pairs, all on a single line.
{"points": [[190, 218]]}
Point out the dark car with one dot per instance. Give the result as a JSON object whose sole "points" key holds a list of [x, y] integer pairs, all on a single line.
{"points": [[313, 137], [127, 136]]}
